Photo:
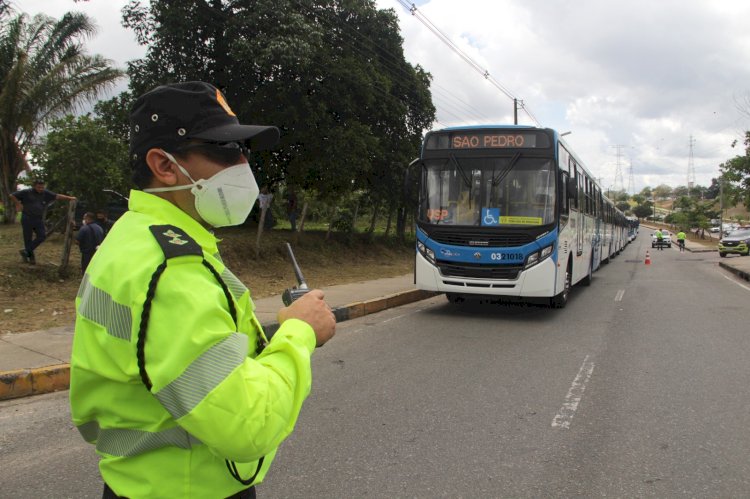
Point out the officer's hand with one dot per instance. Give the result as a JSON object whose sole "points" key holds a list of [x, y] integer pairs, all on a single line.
{"points": [[313, 309]]}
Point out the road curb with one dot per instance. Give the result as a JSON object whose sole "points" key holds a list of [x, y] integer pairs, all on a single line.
{"points": [[740, 273], [26, 382]]}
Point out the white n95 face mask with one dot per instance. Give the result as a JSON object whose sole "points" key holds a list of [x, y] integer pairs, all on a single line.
{"points": [[224, 199]]}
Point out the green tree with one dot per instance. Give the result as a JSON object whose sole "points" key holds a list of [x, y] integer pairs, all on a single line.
{"points": [[79, 156], [329, 73], [712, 192], [680, 191], [684, 203], [643, 210], [44, 73], [736, 171], [114, 115], [662, 191]]}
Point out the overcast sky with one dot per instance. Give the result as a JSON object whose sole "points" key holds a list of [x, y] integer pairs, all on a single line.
{"points": [[645, 75]]}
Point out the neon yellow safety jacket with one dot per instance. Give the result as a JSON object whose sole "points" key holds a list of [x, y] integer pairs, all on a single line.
{"points": [[215, 408]]}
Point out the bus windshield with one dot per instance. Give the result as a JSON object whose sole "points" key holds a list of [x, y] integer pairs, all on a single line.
{"points": [[487, 192]]}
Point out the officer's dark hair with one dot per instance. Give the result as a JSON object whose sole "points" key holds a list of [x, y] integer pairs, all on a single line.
{"points": [[142, 175], [38, 181]]}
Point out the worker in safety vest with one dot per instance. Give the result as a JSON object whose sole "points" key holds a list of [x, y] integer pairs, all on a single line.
{"points": [[172, 377], [659, 240], [681, 239]]}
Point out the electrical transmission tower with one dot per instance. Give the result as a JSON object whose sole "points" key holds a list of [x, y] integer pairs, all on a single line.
{"points": [[618, 184], [631, 182], [691, 166]]}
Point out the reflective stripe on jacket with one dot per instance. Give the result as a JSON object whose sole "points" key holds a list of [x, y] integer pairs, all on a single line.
{"points": [[212, 398]]}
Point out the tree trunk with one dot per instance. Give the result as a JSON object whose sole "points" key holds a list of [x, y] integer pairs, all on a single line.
{"points": [[374, 219], [354, 218], [9, 214], [401, 223], [388, 223], [330, 223], [301, 224], [10, 159], [261, 224]]}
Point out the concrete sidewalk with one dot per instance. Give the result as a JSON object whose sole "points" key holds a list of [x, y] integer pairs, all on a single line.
{"points": [[37, 362]]}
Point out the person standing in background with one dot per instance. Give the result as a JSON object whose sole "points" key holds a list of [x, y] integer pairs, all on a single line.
{"points": [[88, 239], [103, 221], [32, 203], [681, 240]]}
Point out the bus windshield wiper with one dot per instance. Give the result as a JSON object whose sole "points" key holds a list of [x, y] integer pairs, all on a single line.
{"points": [[461, 171], [504, 172]]}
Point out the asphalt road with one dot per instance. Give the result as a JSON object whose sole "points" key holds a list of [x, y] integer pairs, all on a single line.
{"points": [[637, 389]]}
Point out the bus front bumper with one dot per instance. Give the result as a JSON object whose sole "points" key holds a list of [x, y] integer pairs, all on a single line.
{"points": [[535, 282]]}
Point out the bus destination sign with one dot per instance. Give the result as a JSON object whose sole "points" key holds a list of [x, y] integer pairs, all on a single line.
{"points": [[489, 140]]}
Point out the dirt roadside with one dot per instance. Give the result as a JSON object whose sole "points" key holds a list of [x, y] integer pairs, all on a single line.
{"points": [[37, 297]]}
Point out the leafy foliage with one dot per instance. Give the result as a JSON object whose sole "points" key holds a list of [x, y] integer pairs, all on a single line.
{"points": [[80, 157], [44, 73], [737, 171], [330, 74]]}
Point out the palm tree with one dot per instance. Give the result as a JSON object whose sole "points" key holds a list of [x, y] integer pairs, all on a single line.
{"points": [[44, 73]]}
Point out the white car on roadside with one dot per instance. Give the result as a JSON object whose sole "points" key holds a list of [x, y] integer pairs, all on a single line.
{"points": [[666, 239]]}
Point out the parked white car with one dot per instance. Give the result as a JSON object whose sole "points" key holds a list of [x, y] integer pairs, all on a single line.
{"points": [[665, 241]]}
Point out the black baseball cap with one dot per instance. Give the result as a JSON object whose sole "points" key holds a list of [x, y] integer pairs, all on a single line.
{"points": [[170, 115]]}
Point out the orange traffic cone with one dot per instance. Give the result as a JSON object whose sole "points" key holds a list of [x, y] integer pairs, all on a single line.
{"points": [[648, 258]]}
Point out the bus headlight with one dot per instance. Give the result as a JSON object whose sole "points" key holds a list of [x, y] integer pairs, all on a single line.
{"points": [[426, 252], [538, 256]]}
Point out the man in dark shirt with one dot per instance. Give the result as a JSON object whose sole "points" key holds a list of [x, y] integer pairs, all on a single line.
{"points": [[33, 204], [103, 221], [89, 237]]}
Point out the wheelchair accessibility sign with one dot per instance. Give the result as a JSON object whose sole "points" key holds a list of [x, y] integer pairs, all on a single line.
{"points": [[490, 216]]}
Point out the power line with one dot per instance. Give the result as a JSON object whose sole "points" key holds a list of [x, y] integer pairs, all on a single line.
{"points": [[485, 73]]}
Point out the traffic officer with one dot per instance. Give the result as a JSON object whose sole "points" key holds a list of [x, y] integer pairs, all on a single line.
{"points": [[172, 377], [681, 240], [659, 240]]}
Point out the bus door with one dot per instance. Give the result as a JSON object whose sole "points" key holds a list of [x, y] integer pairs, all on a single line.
{"points": [[580, 226], [597, 242]]}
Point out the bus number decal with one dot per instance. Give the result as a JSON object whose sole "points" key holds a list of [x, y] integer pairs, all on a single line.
{"points": [[506, 256], [437, 214]]}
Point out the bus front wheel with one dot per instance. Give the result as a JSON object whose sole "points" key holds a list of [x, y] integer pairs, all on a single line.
{"points": [[561, 300]]}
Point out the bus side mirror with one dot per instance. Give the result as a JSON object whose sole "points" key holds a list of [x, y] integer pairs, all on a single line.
{"points": [[410, 177]]}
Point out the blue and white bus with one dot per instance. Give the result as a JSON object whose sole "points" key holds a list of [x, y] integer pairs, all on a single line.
{"points": [[510, 211]]}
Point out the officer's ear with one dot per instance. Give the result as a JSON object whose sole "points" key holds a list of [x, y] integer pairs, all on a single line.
{"points": [[163, 168]]}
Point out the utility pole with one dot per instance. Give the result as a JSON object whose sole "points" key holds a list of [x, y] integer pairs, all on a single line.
{"points": [[515, 111], [721, 207]]}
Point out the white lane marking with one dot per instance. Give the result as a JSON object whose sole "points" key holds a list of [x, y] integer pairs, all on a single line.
{"points": [[565, 415], [737, 283], [619, 295]]}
